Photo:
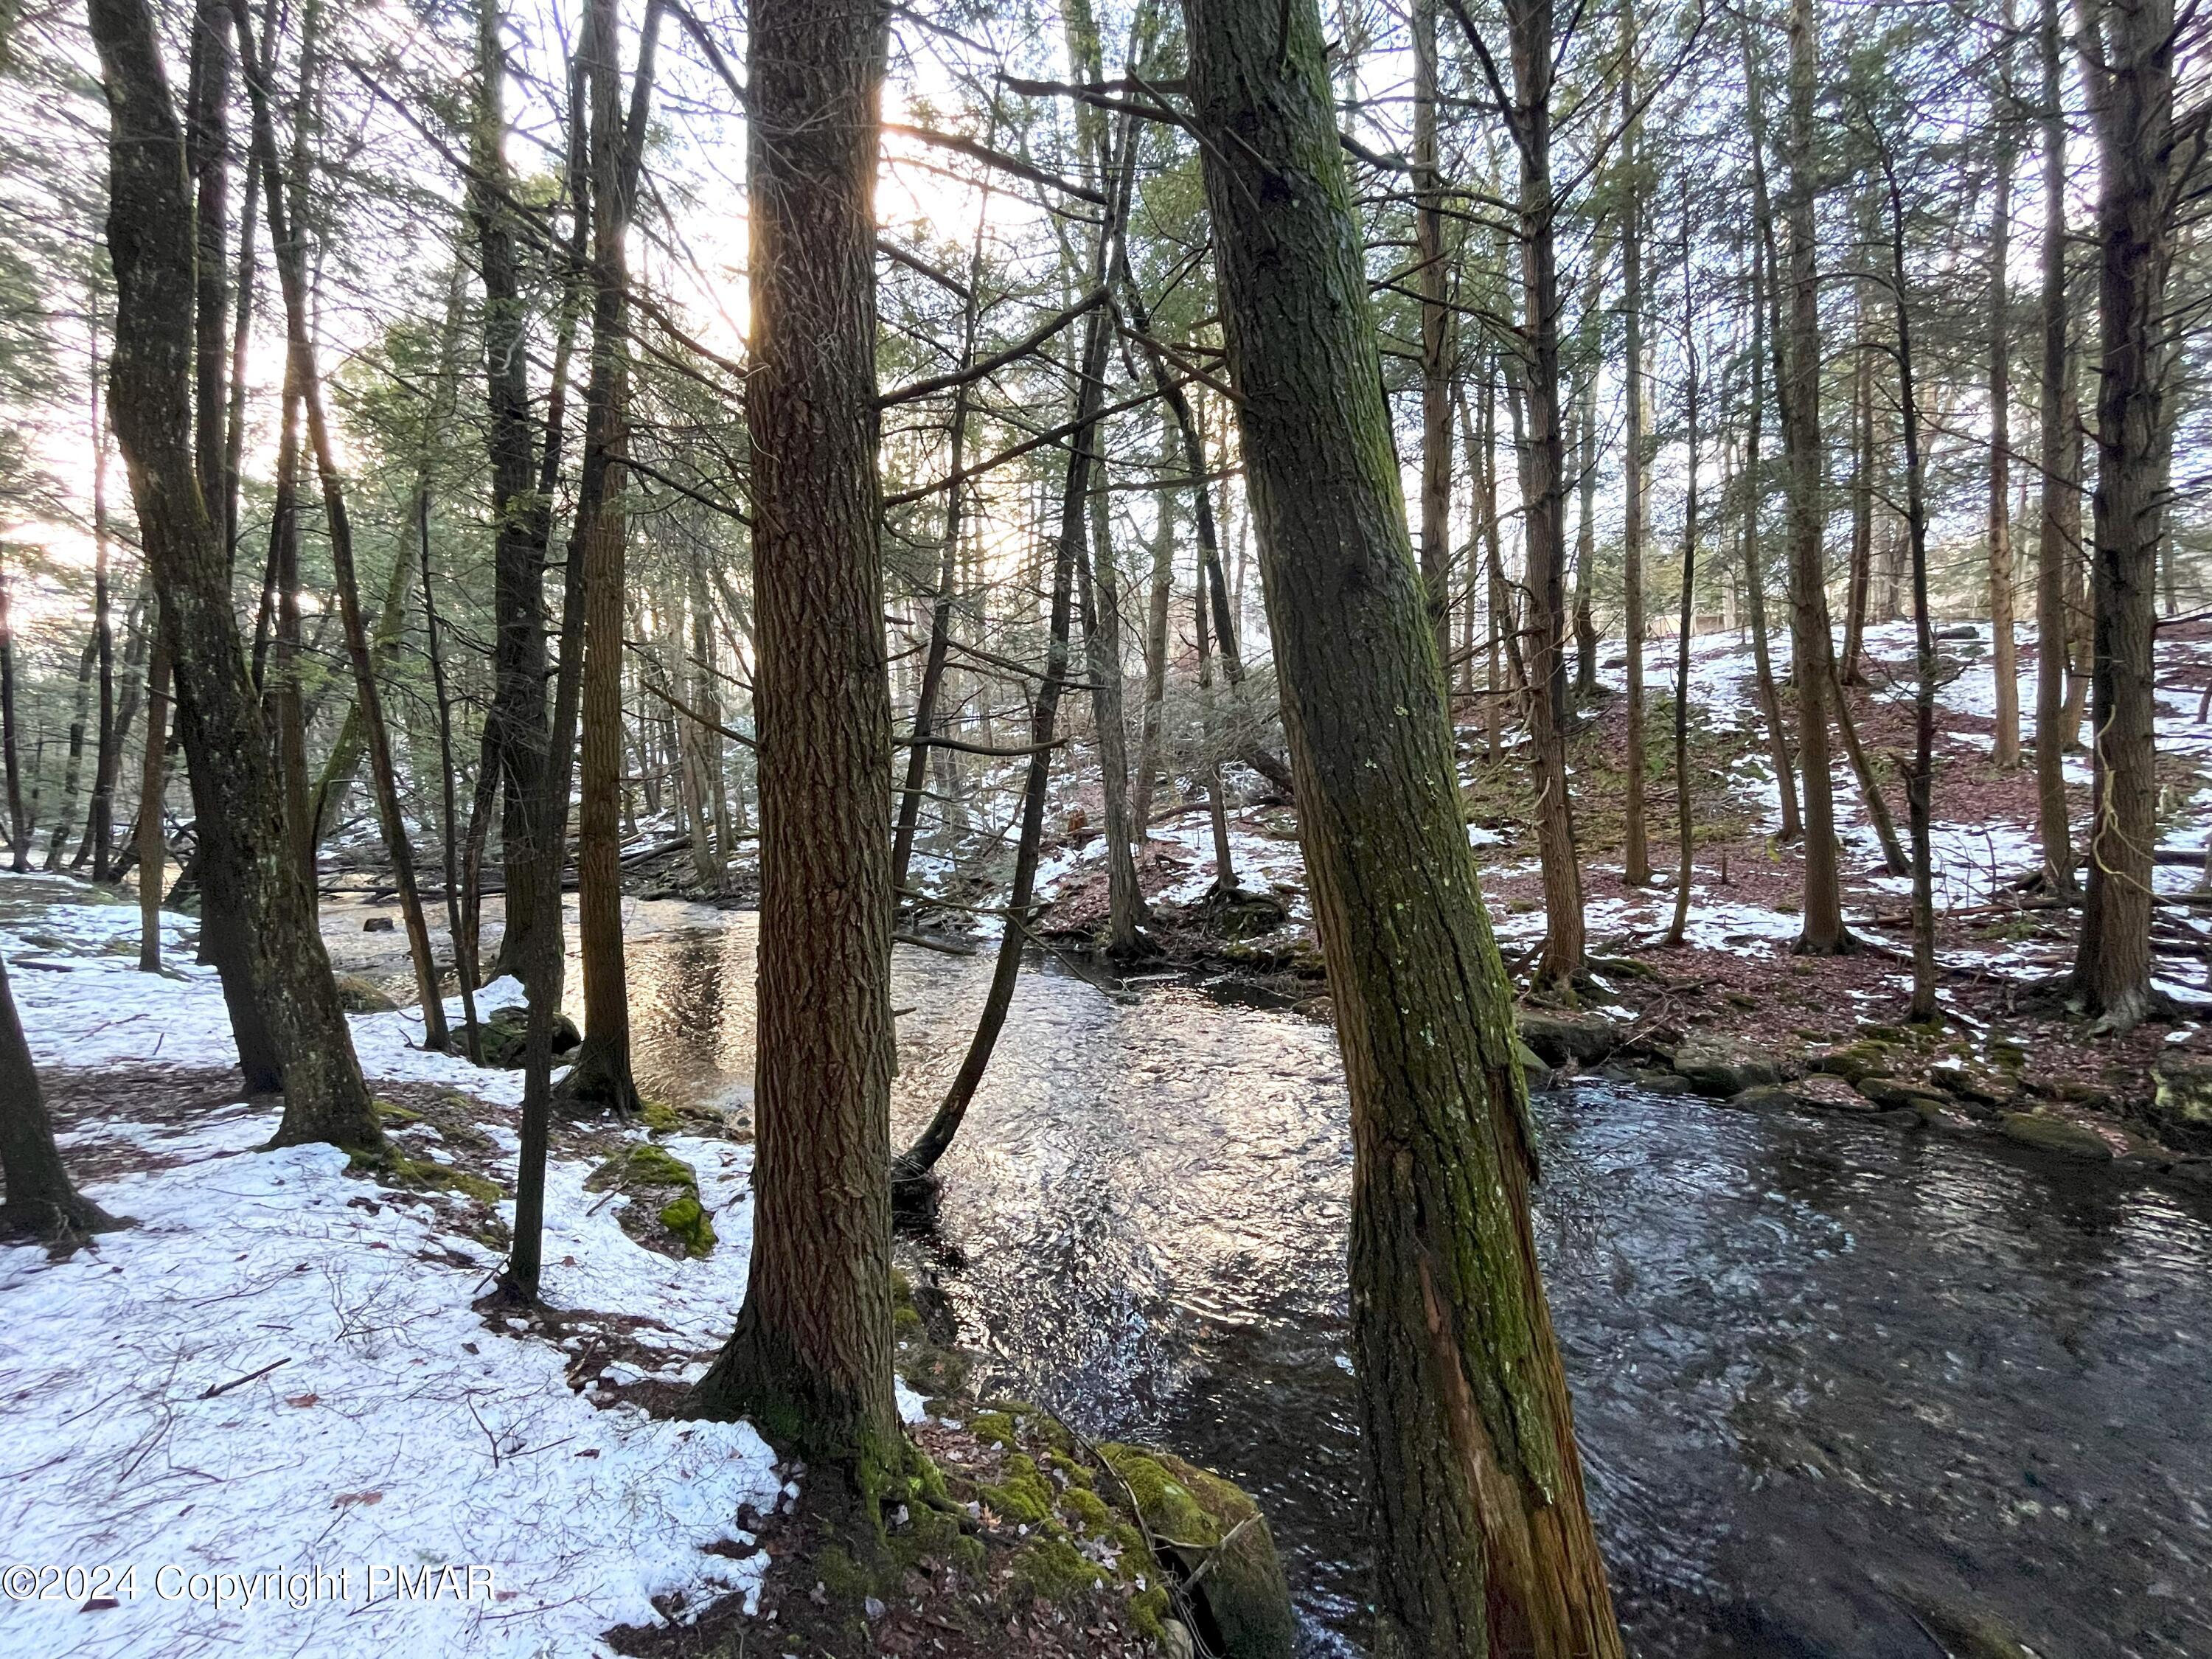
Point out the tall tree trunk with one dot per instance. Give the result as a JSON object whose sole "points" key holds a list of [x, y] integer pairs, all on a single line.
{"points": [[153, 844], [1159, 596], [1529, 24], [513, 757], [810, 1358], [1920, 785], [1754, 562], [288, 989], [292, 276], [1684, 802], [1481, 1539], [2055, 551], [2131, 76], [1635, 847], [1864, 465], [1822, 931], [1586, 686], [40, 1202], [1101, 640], [1436, 333], [2006, 752], [20, 826], [601, 1075]]}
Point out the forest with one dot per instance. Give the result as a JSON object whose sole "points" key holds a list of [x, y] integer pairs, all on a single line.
{"points": [[1171, 828]]}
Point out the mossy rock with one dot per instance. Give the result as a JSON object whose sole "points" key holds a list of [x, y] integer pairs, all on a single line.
{"points": [[1854, 1062], [2057, 1134], [1558, 1038], [1534, 1071], [507, 1034], [1198, 1518], [2182, 1106], [357, 995], [1023, 1496], [1896, 1093], [652, 1173]]}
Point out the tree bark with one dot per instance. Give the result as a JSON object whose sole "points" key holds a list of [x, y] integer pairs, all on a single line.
{"points": [[286, 979], [2006, 752], [1685, 804], [601, 1075], [513, 757], [40, 1202], [1482, 1540], [1635, 848], [810, 1361], [1920, 784], [2132, 73], [2055, 548], [1529, 24], [153, 844], [1435, 332], [1822, 931], [1754, 562]]}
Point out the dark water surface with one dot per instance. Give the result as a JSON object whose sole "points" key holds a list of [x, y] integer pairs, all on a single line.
{"points": [[1839, 1388]]}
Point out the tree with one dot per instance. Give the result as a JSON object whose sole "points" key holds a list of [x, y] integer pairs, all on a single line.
{"points": [[2131, 97], [284, 975], [1481, 1539], [1797, 379], [810, 1361], [2007, 142], [40, 1200], [2060, 501]]}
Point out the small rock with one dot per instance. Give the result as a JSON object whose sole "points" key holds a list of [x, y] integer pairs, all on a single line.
{"points": [[1175, 1640], [1722, 1069], [378, 925], [1830, 1094], [1967, 1084], [1558, 1038], [357, 995], [1896, 1093], [2057, 1134], [1768, 1096]]}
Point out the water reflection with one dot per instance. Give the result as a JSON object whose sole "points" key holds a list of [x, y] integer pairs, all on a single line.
{"points": [[1835, 1385]]}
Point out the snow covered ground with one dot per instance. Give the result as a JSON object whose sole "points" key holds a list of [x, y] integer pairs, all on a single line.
{"points": [[278, 1373]]}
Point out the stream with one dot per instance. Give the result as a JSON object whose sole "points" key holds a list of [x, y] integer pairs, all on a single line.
{"points": [[1840, 1390]]}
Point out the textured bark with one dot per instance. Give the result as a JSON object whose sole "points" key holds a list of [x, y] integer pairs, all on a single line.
{"points": [[20, 825], [1822, 931], [1159, 596], [601, 1075], [1482, 1540], [1101, 640], [1635, 847], [1684, 801], [809, 1362], [153, 844], [1436, 333], [1586, 686], [2055, 547], [286, 979], [2132, 98], [2006, 752], [1919, 784], [1754, 561], [514, 749], [39, 1199], [1860, 584], [1529, 25]]}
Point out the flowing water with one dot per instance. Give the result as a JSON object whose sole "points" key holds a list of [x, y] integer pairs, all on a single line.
{"points": [[1840, 1390]]}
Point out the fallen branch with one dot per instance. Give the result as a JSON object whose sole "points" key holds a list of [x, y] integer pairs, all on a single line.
{"points": [[217, 1390]]}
